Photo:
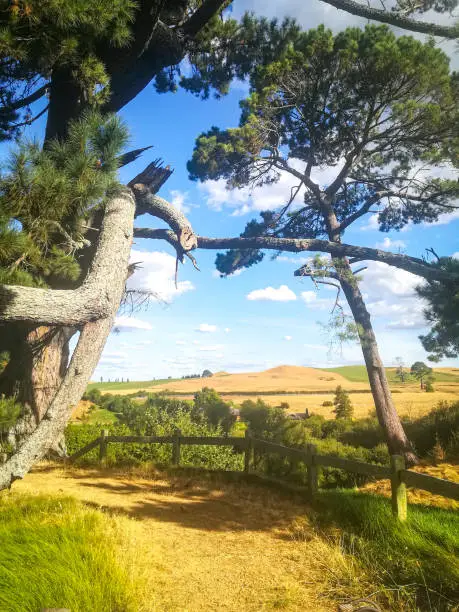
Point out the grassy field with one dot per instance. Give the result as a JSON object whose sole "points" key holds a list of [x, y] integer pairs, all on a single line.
{"points": [[129, 387], [358, 373], [308, 388], [57, 553], [219, 543]]}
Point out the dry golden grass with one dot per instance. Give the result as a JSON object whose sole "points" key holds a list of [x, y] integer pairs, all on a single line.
{"points": [[411, 403], [282, 378], [80, 410], [447, 471], [203, 544]]}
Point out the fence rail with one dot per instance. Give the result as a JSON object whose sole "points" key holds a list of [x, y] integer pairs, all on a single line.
{"points": [[399, 477]]}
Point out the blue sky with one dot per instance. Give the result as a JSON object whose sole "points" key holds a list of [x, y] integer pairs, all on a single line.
{"points": [[264, 316]]}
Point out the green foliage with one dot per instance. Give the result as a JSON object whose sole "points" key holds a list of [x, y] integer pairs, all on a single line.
{"points": [[46, 196], [10, 411], [159, 416], [217, 412], [263, 420], [56, 552], [343, 405], [421, 372], [39, 37], [442, 312]]}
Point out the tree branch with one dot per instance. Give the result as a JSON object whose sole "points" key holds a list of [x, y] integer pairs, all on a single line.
{"points": [[91, 301], [33, 97], [392, 18], [201, 16]]}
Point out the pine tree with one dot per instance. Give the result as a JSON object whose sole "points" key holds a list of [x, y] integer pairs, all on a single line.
{"points": [[382, 104], [48, 197], [342, 402]]}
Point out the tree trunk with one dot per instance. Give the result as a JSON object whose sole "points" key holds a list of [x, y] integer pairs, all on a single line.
{"points": [[388, 418], [109, 268], [40, 356]]}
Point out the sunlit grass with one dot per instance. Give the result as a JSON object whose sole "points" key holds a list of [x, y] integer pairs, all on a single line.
{"points": [[56, 553], [416, 561]]}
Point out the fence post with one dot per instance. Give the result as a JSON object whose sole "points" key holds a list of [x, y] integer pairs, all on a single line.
{"points": [[399, 502], [313, 476], [103, 445], [248, 450], [176, 448]]}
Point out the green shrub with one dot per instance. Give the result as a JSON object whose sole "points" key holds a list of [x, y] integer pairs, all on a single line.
{"points": [[327, 403]]}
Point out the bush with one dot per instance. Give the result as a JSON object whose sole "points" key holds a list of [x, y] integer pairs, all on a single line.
{"points": [[327, 403]]}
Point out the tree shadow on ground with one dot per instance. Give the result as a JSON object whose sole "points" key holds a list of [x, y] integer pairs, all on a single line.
{"points": [[194, 499]]}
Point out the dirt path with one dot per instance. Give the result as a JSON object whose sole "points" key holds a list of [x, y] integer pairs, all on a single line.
{"points": [[205, 545]]}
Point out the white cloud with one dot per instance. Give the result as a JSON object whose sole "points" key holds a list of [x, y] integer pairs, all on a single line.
{"points": [[196, 342], [227, 330], [455, 255], [217, 274], [156, 273], [391, 295], [283, 294], [288, 338], [371, 224], [205, 328], [312, 299], [245, 200], [445, 218], [388, 243], [211, 349], [297, 260], [124, 323], [180, 342], [179, 199]]}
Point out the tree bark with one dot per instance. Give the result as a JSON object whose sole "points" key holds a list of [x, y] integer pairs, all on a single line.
{"points": [[392, 18], [388, 418], [110, 266]]}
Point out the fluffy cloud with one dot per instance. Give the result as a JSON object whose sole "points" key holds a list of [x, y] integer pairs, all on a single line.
{"points": [[156, 273], [288, 338], [205, 328], [390, 294], [312, 300], [179, 199], [180, 342], [270, 294], [227, 330], [245, 200], [388, 243], [124, 323]]}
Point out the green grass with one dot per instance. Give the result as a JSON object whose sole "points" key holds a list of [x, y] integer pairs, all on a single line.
{"points": [[56, 553], [102, 416], [106, 387], [417, 561], [358, 373]]}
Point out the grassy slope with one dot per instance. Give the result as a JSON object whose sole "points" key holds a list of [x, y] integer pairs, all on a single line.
{"points": [[56, 553], [358, 373], [134, 385]]}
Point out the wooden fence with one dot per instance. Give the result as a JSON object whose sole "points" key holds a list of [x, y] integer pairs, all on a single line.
{"points": [[398, 475]]}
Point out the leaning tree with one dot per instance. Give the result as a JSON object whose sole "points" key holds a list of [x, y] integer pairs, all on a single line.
{"points": [[381, 110], [60, 59]]}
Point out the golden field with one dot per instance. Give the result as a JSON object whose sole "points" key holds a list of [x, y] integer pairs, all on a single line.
{"points": [[307, 388]]}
